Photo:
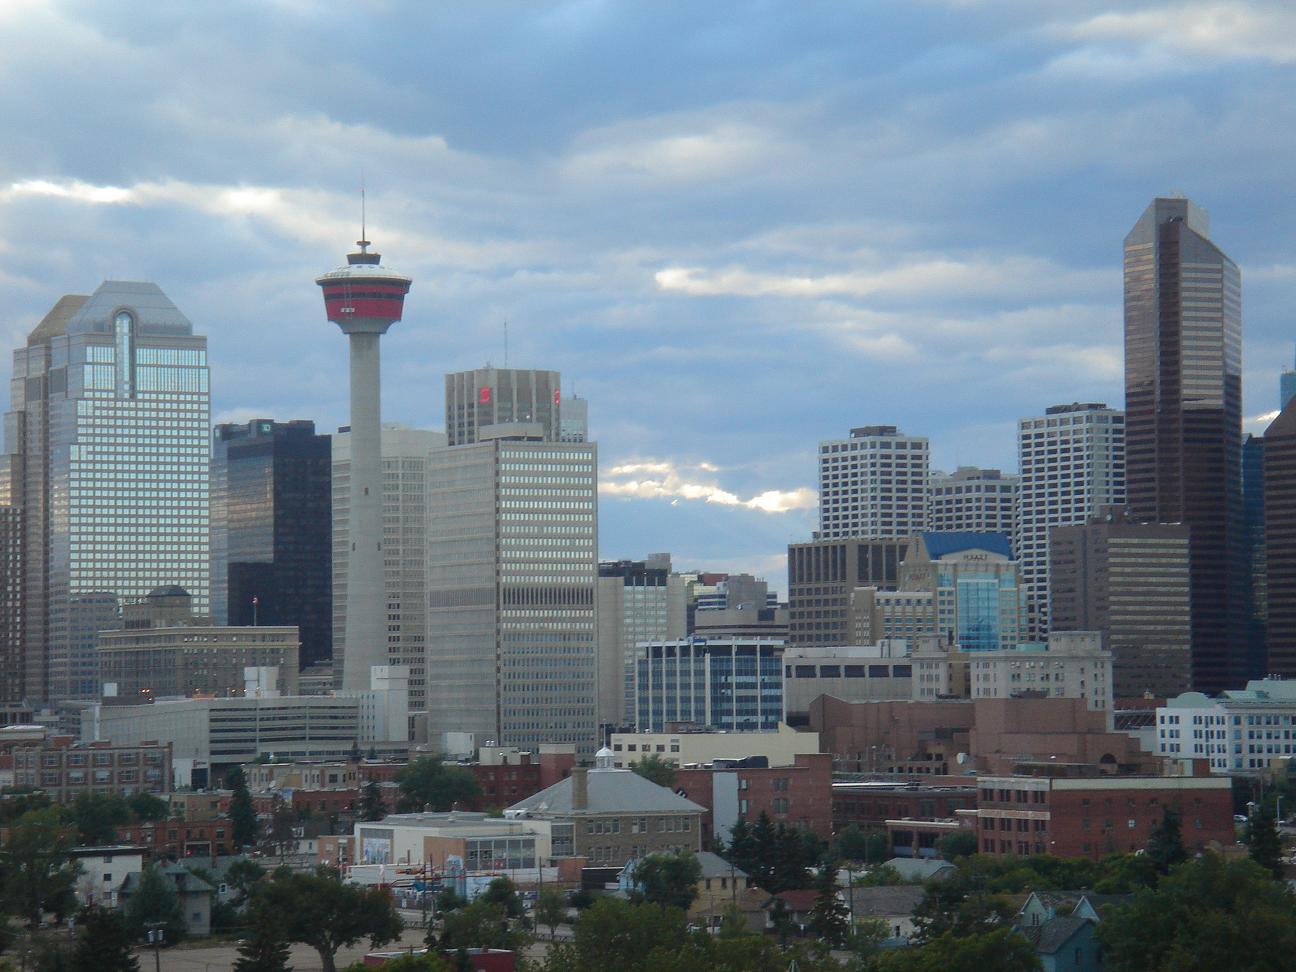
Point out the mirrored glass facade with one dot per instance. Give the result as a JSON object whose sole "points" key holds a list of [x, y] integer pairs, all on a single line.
{"points": [[109, 419]]}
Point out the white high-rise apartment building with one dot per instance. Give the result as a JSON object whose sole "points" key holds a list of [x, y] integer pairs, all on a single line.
{"points": [[872, 485], [1072, 462], [512, 573], [405, 456], [972, 500]]}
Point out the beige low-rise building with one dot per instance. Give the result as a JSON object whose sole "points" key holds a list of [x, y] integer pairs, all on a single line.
{"points": [[781, 747], [615, 814], [140, 664]]}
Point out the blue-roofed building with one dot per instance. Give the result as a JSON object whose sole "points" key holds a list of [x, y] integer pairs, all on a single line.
{"points": [[978, 601]]}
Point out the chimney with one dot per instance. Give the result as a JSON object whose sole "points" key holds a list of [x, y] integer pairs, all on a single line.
{"points": [[580, 788]]}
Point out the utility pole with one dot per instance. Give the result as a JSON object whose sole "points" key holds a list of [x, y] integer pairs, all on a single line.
{"points": [[155, 933]]}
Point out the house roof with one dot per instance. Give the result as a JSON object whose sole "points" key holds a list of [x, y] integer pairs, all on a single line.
{"points": [[714, 866], [921, 868], [186, 881], [886, 902], [1054, 933], [802, 900], [608, 791]]}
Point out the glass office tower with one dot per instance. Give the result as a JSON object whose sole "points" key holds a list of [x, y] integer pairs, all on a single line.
{"points": [[107, 447], [1183, 419]]}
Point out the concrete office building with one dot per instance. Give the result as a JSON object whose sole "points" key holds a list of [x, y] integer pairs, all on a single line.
{"points": [[1072, 463], [406, 454], [364, 299], [1247, 730], [821, 576], [719, 683], [856, 673], [873, 485], [107, 455], [877, 616], [484, 397], [209, 734], [1129, 581], [141, 664], [778, 747], [1183, 418], [975, 585], [638, 601], [64, 771], [512, 573], [12, 662], [272, 545], [1257, 569], [972, 500], [1071, 665], [573, 420]]}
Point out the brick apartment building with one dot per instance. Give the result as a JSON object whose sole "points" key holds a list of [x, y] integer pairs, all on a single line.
{"points": [[1091, 817], [505, 775], [177, 839], [869, 805], [799, 795], [64, 769]]}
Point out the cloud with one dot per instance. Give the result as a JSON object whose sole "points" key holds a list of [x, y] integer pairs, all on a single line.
{"points": [[1222, 31], [663, 479]]}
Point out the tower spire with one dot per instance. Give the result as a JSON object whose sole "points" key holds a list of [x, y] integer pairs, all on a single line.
{"points": [[363, 242]]}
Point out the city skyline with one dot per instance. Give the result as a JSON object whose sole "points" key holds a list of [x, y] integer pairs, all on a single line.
{"points": [[921, 208]]}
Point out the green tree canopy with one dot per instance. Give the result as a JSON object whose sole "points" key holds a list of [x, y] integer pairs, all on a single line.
{"points": [[243, 876], [1206, 915], [318, 910], [854, 844], [264, 950], [959, 843], [146, 806], [551, 909], [999, 950], [432, 783], [668, 879], [97, 817], [1165, 843], [371, 802], [242, 813], [830, 917], [1263, 842], [103, 942], [39, 874], [482, 924], [155, 902], [656, 769], [617, 934], [502, 891]]}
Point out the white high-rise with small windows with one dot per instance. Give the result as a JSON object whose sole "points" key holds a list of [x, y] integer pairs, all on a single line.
{"points": [[1072, 462], [972, 500], [873, 485]]}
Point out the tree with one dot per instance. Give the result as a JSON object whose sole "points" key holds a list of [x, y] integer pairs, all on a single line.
{"points": [[155, 902], [103, 942], [145, 806], [616, 934], [1165, 843], [429, 782], [318, 910], [668, 879], [243, 876], [551, 909], [242, 814], [482, 924], [1263, 842], [1000, 950], [1206, 914], [830, 917], [503, 892], [281, 836], [960, 843], [448, 899], [372, 806], [854, 844], [39, 873], [655, 769], [417, 963], [265, 950], [97, 817]]}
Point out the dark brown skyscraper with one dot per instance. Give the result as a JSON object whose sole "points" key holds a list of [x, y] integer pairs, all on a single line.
{"points": [[1183, 418], [1280, 540]]}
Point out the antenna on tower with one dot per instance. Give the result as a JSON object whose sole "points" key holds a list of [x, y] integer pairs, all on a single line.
{"points": [[363, 242]]}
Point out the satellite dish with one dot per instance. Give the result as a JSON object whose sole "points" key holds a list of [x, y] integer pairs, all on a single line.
{"points": [[961, 758]]}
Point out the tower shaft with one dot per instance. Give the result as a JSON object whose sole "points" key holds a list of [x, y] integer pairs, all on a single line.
{"points": [[366, 643]]}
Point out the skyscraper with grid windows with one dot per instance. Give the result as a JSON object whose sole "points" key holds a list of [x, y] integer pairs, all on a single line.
{"points": [[106, 451]]}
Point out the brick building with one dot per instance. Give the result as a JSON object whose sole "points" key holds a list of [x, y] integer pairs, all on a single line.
{"points": [[64, 770], [869, 805], [505, 774], [177, 839], [1091, 817], [799, 795]]}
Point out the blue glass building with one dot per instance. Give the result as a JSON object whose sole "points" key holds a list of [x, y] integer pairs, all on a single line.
{"points": [[718, 683]]}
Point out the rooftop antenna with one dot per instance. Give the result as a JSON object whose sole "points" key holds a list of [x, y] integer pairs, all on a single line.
{"points": [[363, 242], [506, 342]]}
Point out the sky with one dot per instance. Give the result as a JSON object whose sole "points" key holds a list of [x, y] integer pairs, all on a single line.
{"points": [[737, 229]]}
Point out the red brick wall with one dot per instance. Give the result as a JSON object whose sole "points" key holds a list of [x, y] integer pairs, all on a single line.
{"points": [[808, 793]]}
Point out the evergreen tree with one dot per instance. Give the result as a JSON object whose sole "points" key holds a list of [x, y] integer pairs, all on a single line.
{"points": [[242, 814], [830, 918], [265, 951], [1165, 844], [371, 802], [1263, 841], [741, 851], [155, 902], [764, 843], [788, 871], [104, 943]]}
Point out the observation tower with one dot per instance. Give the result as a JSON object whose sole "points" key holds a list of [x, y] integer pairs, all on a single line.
{"points": [[364, 299]]}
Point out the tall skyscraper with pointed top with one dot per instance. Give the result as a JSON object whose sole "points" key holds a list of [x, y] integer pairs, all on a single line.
{"points": [[106, 457], [364, 299], [1183, 419]]}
